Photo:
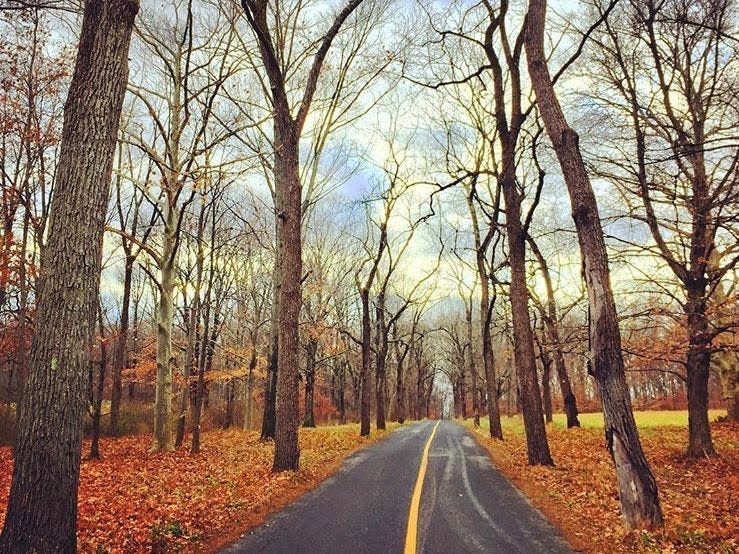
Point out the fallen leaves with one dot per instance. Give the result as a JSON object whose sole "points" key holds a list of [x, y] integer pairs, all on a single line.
{"points": [[136, 501], [698, 497]]}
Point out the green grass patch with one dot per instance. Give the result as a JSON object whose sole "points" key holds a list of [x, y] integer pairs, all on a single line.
{"points": [[644, 420]]}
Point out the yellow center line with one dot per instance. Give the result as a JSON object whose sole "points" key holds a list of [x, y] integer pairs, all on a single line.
{"points": [[411, 534]]}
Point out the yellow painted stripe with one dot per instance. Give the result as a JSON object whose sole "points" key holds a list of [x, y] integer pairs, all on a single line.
{"points": [[411, 534]]}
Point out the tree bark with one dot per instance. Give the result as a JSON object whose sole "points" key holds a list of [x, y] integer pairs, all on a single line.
{"points": [[162, 439], [309, 416], [42, 506], [381, 343], [523, 339], [488, 358], [249, 388], [289, 212], [546, 380], [637, 486], [365, 376], [698, 363], [472, 366]]}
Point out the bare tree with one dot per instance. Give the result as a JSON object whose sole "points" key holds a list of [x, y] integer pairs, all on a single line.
{"points": [[42, 507], [288, 127], [637, 486], [668, 89]]}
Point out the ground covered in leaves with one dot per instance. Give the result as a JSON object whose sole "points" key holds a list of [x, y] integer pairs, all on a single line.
{"points": [[136, 501], [699, 498]]}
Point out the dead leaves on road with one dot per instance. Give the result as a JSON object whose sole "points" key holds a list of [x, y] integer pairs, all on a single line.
{"points": [[136, 501], [699, 497]]}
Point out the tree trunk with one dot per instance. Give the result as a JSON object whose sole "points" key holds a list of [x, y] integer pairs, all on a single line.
{"points": [[287, 180], [698, 364], [472, 367], [120, 362], [42, 507], [364, 378], [342, 399], [270, 383], [488, 359], [162, 439], [249, 389], [309, 417], [546, 381], [523, 339], [192, 324], [400, 409], [230, 399], [637, 486], [381, 343]]}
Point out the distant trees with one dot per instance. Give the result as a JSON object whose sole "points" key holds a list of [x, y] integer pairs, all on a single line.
{"points": [[42, 507]]}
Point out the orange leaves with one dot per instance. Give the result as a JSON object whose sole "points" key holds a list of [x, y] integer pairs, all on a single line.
{"points": [[136, 501], [580, 496]]}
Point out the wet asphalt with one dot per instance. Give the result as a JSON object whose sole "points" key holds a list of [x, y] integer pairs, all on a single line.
{"points": [[467, 506]]}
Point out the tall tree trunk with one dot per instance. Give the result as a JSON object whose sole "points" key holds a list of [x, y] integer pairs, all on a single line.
{"points": [[698, 364], [488, 358], [381, 344], [230, 399], [342, 398], [42, 507], [637, 486], [162, 439], [287, 180], [472, 367], [400, 406], [120, 362], [187, 368], [523, 339], [546, 379], [365, 375]]}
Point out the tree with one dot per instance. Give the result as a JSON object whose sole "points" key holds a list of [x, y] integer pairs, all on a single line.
{"points": [[42, 507], [637, 486], [184, 127], [666, 80], [288, 206]]}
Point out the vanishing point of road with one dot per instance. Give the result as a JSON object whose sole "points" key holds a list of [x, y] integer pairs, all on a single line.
{"points": [[428, 487]]}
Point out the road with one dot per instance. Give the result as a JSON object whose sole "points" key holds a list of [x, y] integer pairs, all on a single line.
{"points": [[462, 504]]}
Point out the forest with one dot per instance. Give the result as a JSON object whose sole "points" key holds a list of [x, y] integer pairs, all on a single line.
{"points": [[263, 217]]}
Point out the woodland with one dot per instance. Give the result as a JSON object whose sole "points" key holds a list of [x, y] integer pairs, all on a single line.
{"points": [[268, 216]]}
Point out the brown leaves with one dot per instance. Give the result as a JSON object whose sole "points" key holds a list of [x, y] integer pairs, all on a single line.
{"points": [[137, 501], [580, 496]]}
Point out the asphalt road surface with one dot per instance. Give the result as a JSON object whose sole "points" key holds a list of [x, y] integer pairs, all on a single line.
{"points": [[462, 504]]}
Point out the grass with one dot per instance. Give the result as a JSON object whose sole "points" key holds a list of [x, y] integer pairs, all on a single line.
{"points": [[645, 419], [648, 419]]}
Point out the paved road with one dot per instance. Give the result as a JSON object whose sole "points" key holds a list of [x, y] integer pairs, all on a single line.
{"points": [[465, 504]]}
